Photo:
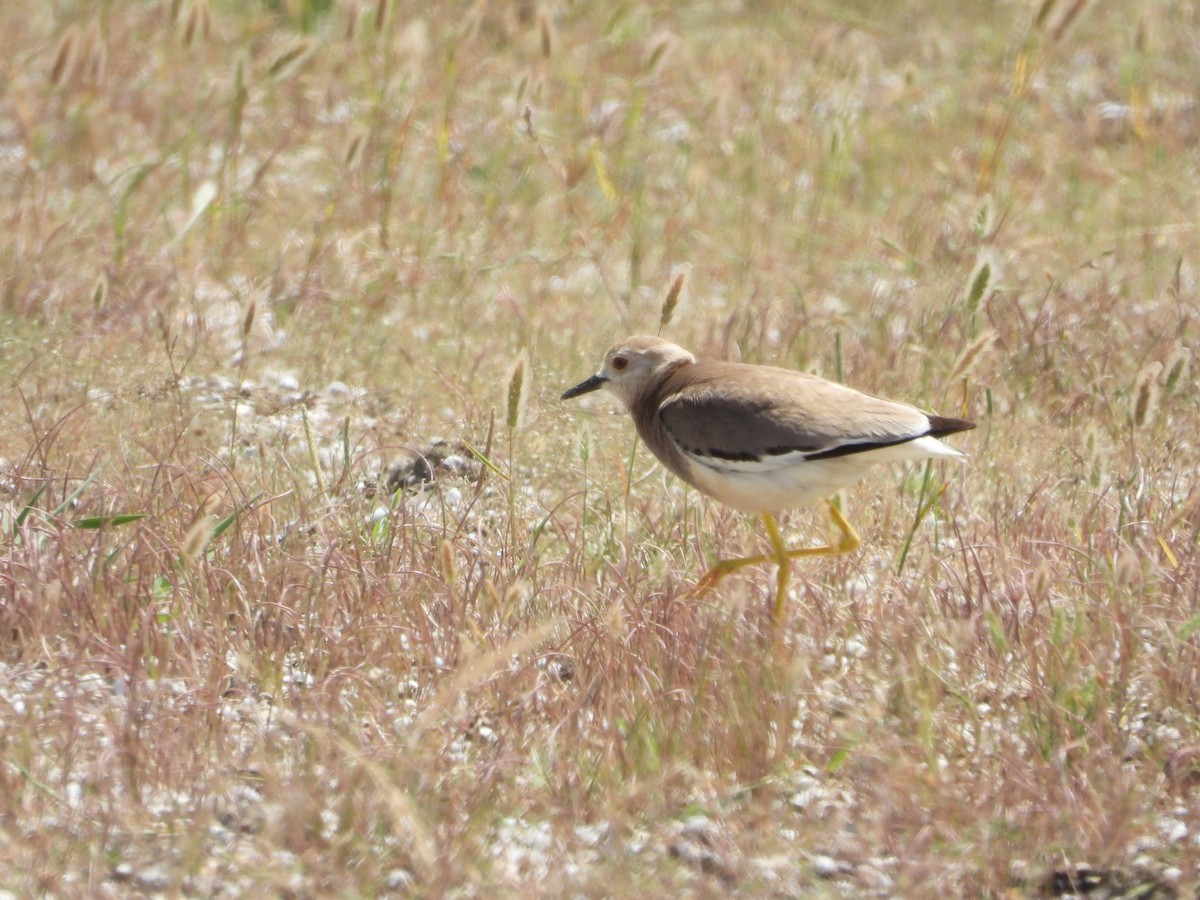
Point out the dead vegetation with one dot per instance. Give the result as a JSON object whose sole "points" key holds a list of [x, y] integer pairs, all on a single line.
{"points": [[261, 632]]}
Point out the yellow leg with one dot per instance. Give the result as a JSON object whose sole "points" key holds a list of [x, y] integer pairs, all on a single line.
{"points": [[781, 556], [784, 574]]}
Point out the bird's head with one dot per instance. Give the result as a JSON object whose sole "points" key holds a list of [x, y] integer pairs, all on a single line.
{"points": [[631, 366]]}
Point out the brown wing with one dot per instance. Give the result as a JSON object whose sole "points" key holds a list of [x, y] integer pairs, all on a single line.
{"points": [[737, 413]]}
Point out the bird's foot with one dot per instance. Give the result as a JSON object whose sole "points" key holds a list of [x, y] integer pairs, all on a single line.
{"points": [[722, 568]]}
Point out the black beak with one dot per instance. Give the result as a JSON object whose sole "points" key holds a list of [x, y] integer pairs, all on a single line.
{"points": [[585, 387]]}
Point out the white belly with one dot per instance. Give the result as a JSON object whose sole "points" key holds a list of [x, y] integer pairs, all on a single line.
{"points": [[781, 483], [777, 489]]}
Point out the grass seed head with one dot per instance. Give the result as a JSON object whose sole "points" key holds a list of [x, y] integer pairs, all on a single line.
{"points": [[1145, 395], [1091, 441], [196, 540], [973, 354], [546, 33], [657, 51], [446, 561], [100, 292], [93, 54], [1142, 37], [979, 285], [1073, 12], [515, 413], [66, 57], [248, 319], [197, 25], [1128, 570], [679, 280], [984, 221], [1093, 455], [353, 152], [1175, 369], [1176, 287], [615, 621], [1043, 581], [1043, 13], [383, 12], [290, 58]]}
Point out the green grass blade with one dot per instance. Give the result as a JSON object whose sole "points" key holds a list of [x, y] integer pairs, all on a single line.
{"points": [[29, 507], [222, 526], [74, 495], [108, 521], [478, 454]]}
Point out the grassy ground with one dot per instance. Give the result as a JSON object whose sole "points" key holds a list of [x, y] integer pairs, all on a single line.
{"points": [[257, 257]]}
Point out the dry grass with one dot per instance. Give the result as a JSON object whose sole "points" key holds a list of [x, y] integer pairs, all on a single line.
{"points": [[256, 257]]}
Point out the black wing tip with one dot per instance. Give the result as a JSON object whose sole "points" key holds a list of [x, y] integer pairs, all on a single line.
{"points": [[860, 447], [940, 426]]}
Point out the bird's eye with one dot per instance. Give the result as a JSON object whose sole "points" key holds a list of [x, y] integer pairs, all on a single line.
{"points": [[619, 363]]}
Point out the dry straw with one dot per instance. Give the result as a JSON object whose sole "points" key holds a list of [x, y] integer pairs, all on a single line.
{"points": [[314, 457], [477, 669]]}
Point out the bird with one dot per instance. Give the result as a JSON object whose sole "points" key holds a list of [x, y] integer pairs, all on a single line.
{"points": [[762, 439]]}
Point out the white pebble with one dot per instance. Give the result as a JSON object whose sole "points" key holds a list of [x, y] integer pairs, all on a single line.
{"points": [[154, 879], [454, 463], [825, 866], [1172, 829], [400, 880], [856, 648]]}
